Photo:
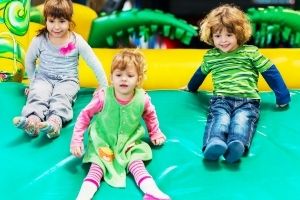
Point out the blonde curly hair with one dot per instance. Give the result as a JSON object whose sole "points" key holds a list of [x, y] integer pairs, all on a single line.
{"points": [[226, 16], [127, 57]]}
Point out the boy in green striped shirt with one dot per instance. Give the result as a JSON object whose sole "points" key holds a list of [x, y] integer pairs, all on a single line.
{"points": [[235, 67]]}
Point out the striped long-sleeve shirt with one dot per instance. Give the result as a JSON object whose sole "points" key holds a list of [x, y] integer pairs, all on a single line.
{"points": [[44, 57], [236, 74]]}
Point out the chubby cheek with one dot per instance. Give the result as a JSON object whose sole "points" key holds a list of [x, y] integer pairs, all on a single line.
{"points": [[113, 78], [49, 28]]}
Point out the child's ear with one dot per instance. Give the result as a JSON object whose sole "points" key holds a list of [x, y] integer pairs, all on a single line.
{"points": [[139, 81]]}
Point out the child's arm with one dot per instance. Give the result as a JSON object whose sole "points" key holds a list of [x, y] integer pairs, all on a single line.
{"points": [[31, 57], [151, 121], [92, 61], [83, 122], [276, 83], [196, 80]]}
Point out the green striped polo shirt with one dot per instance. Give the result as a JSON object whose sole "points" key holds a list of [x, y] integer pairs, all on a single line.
{"points": [[235, 73]]}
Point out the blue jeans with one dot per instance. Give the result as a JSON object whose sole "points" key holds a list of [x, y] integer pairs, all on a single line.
{"points": [[231, 118]]}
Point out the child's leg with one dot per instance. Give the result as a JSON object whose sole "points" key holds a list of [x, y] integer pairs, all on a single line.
{"points": [[29, 124], [242, 127], [52, 126], [91, 183], [216, 128], [145, 181], [60, 106]]}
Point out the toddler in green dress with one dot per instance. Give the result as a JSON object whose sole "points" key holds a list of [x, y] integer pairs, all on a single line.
{"points": [[115, 143]]}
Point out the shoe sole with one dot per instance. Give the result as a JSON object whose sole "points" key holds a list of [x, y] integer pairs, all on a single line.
{"points": [[235, 151], [214, 150]]}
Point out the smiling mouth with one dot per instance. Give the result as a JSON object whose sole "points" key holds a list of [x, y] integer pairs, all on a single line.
{"points": [[123, 85], [225, 46]]}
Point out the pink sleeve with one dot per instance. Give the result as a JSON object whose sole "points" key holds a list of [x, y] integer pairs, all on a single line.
{"points": [[85, 117], [151, 119]]}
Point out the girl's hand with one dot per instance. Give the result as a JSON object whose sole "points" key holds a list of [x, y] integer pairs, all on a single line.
{"points": [[26, 91], [159, 141], [77, 151]]}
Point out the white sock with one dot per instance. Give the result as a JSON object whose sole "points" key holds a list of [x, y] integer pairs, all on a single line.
{"points": [[87, 191], [148, 186]]}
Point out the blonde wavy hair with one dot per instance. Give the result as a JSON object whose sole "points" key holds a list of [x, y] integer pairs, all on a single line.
{"points": [[129, 57], [226, 16]]}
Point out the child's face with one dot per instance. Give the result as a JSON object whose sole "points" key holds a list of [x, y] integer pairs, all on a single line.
{"points": [[57, 27], [225, 41], [125, 81]]}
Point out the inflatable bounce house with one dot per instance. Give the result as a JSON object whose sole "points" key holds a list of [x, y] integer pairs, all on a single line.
{"points": [[39, 168]]}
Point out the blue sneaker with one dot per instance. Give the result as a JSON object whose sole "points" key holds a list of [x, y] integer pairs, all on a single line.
{"points": [[234, 151], [214, 149]]}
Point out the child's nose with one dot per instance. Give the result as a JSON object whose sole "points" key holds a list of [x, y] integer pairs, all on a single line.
{"points": [[56, 25], [223, 39]]}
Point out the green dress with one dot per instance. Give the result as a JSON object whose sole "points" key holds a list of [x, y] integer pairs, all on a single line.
{"points": [[115, 137]]}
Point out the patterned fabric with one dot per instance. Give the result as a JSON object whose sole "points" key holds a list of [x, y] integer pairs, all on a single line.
{"points": [[61, 61], [95, 175], [139, 172], [235, 73], [115, 137]]}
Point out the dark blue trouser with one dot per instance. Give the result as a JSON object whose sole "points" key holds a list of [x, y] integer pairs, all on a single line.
{"points": [[231, 118]]}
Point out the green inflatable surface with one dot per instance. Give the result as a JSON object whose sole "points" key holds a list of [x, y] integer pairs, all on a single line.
{"points": [[39, 168]]}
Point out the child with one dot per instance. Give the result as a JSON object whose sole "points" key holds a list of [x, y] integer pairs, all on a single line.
{"points": [[52, 68], [115, 135], [234, 106]]}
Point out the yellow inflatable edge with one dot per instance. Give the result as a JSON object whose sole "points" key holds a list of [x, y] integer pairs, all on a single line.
{"points": [[173, 68], [167, 68]]}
